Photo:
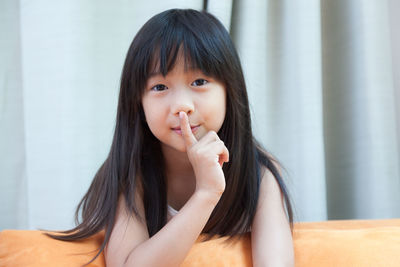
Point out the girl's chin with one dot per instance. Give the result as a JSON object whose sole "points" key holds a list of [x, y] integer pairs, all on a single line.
{"points": [[180, 148]]}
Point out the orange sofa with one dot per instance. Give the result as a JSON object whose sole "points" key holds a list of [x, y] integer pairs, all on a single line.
{"points": [[330, 243]]}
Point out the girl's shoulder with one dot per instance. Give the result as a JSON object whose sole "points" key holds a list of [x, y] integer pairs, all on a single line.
{"points": [[268, 163]]}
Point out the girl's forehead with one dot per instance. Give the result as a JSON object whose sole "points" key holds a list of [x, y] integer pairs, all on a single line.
{"points": [[179, 57], [180, 62]]}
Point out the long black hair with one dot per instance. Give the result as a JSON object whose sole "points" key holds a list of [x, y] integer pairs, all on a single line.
{"points": [[207, 46]]}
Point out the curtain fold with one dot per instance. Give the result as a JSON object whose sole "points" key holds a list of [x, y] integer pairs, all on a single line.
{"points": [[362, 149], [280, 46], [13, 179], [323, 81]]}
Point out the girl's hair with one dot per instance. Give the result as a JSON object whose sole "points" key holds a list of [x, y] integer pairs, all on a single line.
{"points": [[135, 156]]}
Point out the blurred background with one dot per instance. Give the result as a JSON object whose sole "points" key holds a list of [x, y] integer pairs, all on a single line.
{"points": [[323, 79]]}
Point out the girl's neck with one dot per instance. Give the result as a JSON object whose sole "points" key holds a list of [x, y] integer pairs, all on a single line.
{"points": [[176, 162], [181, 181]]}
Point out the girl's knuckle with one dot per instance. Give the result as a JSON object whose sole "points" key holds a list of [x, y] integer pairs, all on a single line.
{"points": [[197, 153]]}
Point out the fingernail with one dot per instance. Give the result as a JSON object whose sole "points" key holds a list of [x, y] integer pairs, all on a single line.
{"points": [[181, 114]]}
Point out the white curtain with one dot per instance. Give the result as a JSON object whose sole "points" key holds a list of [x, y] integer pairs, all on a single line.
{"points": [[323, 80]]}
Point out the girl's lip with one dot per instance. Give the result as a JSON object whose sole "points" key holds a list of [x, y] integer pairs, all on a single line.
{"points": [[178, 129]]}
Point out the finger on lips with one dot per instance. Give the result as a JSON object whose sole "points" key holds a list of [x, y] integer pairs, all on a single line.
{"points": [[211, 138], [190, 139]]}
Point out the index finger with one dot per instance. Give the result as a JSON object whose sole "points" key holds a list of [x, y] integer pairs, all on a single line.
{"points": [[187, 134]]}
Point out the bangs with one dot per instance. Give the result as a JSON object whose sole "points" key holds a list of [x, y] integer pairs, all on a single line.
{"points": [[194, 40]]}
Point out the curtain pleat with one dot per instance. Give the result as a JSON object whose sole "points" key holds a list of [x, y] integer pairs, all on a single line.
{"points": [[362, 149], [280, 46]]}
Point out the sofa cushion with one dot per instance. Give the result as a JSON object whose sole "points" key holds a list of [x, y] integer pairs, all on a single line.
{"points": [[330, 243]]}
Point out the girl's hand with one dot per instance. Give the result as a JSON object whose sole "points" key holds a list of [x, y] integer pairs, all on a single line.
{"points": [[206, 156]]}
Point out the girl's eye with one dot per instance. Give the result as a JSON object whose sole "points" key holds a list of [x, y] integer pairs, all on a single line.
{"points": [[159, 87], [199, 82]]}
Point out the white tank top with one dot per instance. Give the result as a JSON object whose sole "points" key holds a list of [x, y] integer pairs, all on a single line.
{"points": [[172, 211]]}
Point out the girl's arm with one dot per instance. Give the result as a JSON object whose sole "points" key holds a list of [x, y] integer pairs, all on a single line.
{"points": [[130, 244], [271, 239]]}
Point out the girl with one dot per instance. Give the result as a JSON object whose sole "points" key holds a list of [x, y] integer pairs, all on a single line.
{"points": [[183, 160]]}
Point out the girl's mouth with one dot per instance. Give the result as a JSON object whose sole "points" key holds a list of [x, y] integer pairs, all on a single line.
{"points": [[179, 131]]}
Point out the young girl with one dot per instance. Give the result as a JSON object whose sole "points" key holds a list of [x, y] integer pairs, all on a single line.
{"points": [[183, 160]]}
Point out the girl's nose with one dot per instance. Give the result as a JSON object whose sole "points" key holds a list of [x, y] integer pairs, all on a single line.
{"points": [[182, 101]]}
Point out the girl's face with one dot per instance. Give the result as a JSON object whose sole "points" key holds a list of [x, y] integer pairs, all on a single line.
{"points": [[201, 97]]}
